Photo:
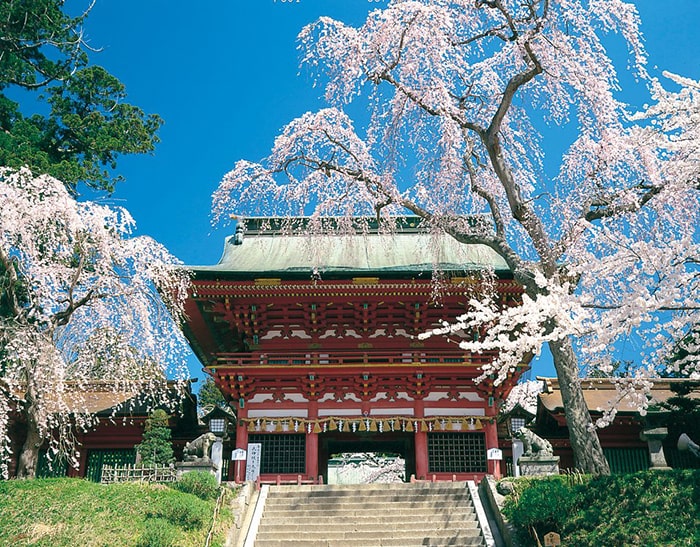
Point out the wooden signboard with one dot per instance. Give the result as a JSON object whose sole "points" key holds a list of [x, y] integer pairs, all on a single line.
{"points": [[494, 454], [552, 540], [238, 455]]}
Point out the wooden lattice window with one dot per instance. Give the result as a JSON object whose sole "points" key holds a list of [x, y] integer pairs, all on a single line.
{"points": [[457, 452], [56, 467], [627, 460], [281, 453], [678, 459], [98, 458]]}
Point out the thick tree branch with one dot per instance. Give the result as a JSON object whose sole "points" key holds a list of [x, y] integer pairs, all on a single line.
{"points": [[608, 206], [520, 209], [480, 191], [413, 96]]}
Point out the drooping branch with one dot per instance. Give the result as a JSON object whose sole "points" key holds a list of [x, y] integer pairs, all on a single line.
{"points": [[414, 97], [611, 206], [375, 185]]}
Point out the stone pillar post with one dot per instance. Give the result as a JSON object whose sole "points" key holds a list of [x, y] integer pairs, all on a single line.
{"points": [[654, 438], [518, 450], [217, 457]]}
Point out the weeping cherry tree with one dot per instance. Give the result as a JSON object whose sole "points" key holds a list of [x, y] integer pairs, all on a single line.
{"points": [[83, 307], [510, 109]]}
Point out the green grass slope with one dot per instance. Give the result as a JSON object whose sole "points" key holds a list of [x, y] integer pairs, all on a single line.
{"points": [[650, 508], [75, 512]]}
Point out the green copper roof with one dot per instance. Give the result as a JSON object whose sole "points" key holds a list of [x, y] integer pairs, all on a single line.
{"points": [[407, 251]]}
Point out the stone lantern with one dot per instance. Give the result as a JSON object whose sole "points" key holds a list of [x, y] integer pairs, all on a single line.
{"points": [[654, 433], [517, 418], [217, 421]]}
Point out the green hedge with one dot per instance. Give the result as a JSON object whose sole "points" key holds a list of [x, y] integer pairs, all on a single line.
{"points": [[644, 508]]}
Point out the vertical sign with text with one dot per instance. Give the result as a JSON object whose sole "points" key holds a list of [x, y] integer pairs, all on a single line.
{"points": [[252, 467]]}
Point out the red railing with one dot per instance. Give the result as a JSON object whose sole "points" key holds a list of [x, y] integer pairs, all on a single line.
{"points": [[357, 358]]}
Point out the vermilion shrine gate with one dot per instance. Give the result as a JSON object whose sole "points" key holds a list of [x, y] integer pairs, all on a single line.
{"points": [[317, 364]]}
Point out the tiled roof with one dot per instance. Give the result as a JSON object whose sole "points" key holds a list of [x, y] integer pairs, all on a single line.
{"points": [[600, 394], [96, 398], [373, 252]]}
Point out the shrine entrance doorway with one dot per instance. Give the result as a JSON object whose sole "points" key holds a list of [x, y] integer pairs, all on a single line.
{"points": [[394, 453]]}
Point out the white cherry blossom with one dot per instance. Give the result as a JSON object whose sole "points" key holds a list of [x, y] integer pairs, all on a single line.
{"points": [[84, 306], [467, 100]]}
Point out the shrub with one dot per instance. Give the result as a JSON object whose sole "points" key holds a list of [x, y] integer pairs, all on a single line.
{"points": [[158, 533], [184, 513], [541, 506], [200, 483], [156, 448]]}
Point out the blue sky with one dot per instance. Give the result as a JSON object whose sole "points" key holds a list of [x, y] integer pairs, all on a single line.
{"points": [[224, 76]]}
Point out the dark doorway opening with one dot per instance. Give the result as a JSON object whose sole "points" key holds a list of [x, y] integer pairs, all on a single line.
{"points": [[396, 443]]}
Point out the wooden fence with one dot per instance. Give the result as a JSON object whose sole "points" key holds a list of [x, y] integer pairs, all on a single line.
{"points": [[137, 473]]}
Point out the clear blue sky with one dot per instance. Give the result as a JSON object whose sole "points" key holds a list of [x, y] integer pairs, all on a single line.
{"points": [[224, 76]]}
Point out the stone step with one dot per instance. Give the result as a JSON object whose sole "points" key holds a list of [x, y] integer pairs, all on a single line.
{"points": [[350, 525], [416, 539], [368, 504], [361, 533], [419, 541], [461, 518], [349, 529], [389, 513], [379, 498], [354, 489], [370, 486], [320, 496]]}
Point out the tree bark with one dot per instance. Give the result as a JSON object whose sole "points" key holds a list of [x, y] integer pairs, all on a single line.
{"points": [[588, 454], [29, 457]]}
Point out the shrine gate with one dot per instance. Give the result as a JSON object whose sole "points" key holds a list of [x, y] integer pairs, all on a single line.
{"points": [[317, 362]]}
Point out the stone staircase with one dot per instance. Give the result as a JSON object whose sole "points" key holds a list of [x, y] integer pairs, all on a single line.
{"points": [[369, 515]]}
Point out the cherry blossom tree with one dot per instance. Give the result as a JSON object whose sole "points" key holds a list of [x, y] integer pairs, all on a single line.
{"points": [[523, 394], [509, 109], [83, 306]]}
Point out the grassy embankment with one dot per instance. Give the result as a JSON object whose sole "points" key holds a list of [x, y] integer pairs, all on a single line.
{"points": [[654, 508], [70, 512]]}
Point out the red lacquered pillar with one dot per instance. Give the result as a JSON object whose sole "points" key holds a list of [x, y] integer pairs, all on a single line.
{"points": [[312, 444], [242, 443], [421, 445], [494, 466]]}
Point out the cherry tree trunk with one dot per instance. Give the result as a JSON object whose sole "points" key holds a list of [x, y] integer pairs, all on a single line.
{"points": [[588, 454], [29, 457]]}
